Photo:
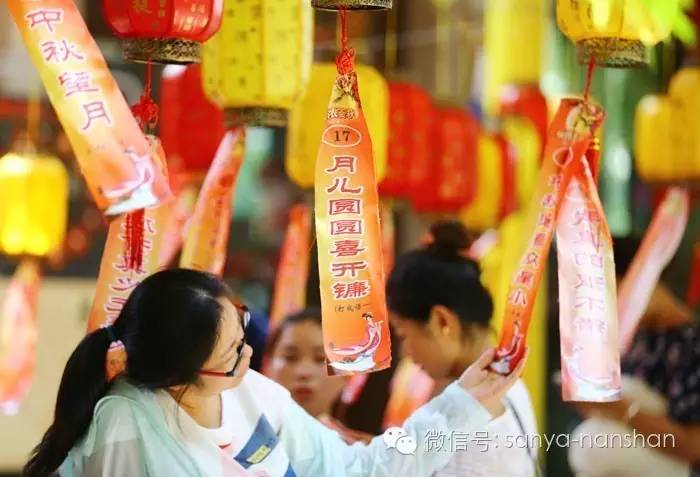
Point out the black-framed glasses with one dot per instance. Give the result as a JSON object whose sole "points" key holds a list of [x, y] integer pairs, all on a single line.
{"points": [[244, 312]]}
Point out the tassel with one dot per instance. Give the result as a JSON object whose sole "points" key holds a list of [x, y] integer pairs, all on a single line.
{"points": [[134, 240]]}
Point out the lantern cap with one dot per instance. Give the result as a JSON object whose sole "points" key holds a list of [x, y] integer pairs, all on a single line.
{"points": [[255, 116], [161, 50], [612, 52], [351, 4]]}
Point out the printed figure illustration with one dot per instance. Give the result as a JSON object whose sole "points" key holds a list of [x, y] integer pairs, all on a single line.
{"points": [[358, 358], [505, 356], [588, 387], [136, 191]]}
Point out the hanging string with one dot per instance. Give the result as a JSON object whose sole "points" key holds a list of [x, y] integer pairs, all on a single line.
{"points": [[146, 110], [345, 61], [589, 79]]}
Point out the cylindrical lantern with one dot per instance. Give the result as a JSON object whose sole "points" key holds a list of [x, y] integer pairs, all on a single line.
{"points": [[164, 31], [257, 66], [33, 204], [485, 210], [309, 115], [616, 33], [684, 91], [522, 136], [514, 33], [351, 4], [191, 126], [410, 127], [509, 160], [527, 101], [451, 184], [655, 159]]}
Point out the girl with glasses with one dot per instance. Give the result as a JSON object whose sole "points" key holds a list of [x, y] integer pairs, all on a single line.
{"points": [[186, 404]]}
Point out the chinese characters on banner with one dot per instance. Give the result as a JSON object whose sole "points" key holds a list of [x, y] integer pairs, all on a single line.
{"points": [[293, 269], [351, 265], [661, 241], [19, 335], [117, 279], [571, 136], [590, 357], [111, 150], [207, 234]]}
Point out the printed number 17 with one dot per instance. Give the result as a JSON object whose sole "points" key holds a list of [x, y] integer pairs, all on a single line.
{"points": [[346, 136]]}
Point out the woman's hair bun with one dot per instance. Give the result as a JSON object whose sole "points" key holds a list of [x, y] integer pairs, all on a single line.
{"points": [[449, 237]]}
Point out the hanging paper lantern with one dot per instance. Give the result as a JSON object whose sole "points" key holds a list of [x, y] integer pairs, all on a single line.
{"points": [[451, 184], [509, 160], [33, 204], [523, 138], [667, 141], [652, 137], [684, 90], [308, 117], [164, 31], [257, 65], [485, 210], [352, 4], [616, 33], [410, 115], [527, 101], [514, 39], [191, 126]]}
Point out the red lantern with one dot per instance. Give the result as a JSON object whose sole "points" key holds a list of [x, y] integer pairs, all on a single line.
{"points": [[191, 126], [509, 199], [451, 184], [527, 101], [163, 31], [410, 115]]}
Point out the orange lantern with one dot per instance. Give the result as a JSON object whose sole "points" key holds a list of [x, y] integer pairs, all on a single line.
{"points": [[164, 31], [410, 115]]}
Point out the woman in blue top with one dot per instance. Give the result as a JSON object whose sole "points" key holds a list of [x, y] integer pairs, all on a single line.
{"points": [[186, 404]]}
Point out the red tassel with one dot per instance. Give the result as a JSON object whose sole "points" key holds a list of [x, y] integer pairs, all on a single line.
{"points": [[146, 110], [345, 61], [134, 240]]}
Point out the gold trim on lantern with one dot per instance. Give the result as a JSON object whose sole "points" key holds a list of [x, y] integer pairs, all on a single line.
{"points": [[351, 4], [161, 50], [612, 52], [265, 117]]}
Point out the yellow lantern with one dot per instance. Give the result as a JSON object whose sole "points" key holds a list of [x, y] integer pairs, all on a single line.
{"points": [[257, 65], [309, 115], [652, 140], [616, 32], [524, 137], [667, 131], [485, 210], [33, 204], [684, 90], [513, 46]]}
